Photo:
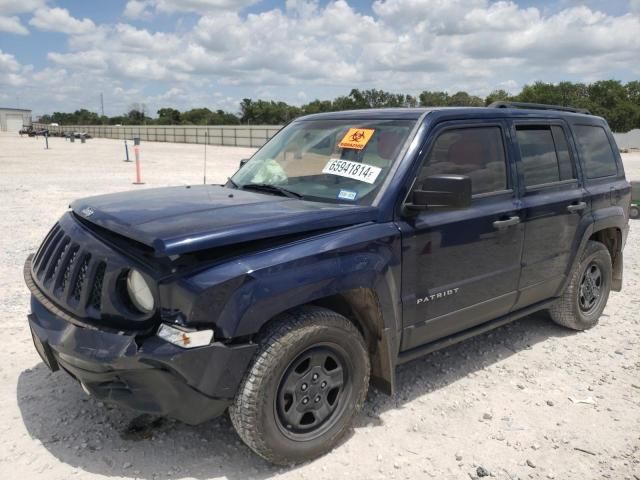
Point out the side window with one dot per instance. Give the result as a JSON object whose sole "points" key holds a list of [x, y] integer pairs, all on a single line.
{"points": [[544, 155], [596, 151], [475, 152], [565, 162]]}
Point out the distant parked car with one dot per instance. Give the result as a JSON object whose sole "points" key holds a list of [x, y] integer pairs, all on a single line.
{"points": [[34, 132], [26, 130]]}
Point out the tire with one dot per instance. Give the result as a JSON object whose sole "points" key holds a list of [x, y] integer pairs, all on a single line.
{"points": [[634, 212], [586, 295], [311, 353]]}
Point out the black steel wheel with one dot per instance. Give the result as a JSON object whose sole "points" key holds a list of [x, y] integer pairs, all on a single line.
{"points": [[313, 391], [307, 382], [586, 295], [590, 292]]}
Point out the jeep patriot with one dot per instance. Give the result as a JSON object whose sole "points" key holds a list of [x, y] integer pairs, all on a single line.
{"points": [[350, 243]]}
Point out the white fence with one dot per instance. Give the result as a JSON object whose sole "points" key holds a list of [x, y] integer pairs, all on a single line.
{"points": [[630, 139], [231, 135]]}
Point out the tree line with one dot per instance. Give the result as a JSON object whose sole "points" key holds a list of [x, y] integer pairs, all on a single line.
{"points": [[619, 103]]}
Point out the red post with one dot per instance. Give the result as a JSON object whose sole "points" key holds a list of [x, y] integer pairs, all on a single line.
{"points": [[136, 151]]}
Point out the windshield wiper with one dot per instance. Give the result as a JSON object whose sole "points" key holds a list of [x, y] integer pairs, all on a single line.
{"points": [[265, 187]]}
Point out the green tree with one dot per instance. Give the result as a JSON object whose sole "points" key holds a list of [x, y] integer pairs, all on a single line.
{"points": [[433, 99], [495, 96], [463, 99], [168, 116]]}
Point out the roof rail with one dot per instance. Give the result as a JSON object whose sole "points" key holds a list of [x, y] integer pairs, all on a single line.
{"points": [[537, 106]]}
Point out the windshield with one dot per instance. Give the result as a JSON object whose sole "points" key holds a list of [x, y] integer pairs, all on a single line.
{"points": [[342, 161]]}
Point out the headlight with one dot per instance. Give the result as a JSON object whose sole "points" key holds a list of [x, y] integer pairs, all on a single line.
{"points": [[139, 292]]}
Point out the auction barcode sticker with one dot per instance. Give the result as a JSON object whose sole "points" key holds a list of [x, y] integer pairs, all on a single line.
{"points": [[357, 171]]}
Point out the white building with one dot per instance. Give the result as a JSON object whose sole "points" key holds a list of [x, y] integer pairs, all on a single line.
{"points": [[13, 119]]}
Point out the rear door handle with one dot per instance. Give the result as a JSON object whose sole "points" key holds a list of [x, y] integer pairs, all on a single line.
{"points": [[577, 207], [499, 224]]}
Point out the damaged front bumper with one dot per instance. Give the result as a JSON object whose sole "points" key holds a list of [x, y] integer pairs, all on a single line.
{"points": [[147, 373]]}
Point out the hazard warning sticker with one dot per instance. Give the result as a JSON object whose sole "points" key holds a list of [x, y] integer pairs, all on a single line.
{"points": [[356, 138]]}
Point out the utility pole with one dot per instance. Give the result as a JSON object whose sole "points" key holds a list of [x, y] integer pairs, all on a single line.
{"points": [[101, 104]]}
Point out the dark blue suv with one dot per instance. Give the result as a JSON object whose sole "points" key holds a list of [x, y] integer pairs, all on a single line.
{"points": [[350, 243]]}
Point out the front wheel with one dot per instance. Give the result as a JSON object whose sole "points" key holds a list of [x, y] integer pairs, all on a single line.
{"points": [[584, 299], [634, 212], [306, 384]]}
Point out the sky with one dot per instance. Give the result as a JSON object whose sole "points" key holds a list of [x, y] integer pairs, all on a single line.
{"points": [[61, 55]]}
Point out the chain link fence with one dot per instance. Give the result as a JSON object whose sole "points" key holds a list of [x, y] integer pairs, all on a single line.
{"points": [[231, 135]]}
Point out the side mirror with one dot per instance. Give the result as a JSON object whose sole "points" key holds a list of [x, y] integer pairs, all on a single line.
{"points": [[242, 162], [442, 192]]}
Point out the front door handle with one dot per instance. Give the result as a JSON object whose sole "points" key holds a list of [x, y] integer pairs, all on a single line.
{"points": [[499, 224], [577, 207]]}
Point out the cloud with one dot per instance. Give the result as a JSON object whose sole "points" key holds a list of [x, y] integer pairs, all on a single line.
{"points": [[12, 72], [10, 7], [8, 63], [137, 9], [59, 20], [308, 49], [144, 9], [12, 25]]}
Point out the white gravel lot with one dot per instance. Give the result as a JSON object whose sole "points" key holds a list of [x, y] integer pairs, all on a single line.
{"points": [[529, 400]]}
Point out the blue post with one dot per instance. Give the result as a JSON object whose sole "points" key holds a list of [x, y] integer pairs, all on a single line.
{"points": [[126, 152]]}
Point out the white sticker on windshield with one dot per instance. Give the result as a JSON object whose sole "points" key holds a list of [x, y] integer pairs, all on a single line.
{"points": [[357, 171]]}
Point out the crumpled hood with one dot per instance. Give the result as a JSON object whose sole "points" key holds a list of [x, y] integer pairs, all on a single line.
{"points": [[177, 220]]}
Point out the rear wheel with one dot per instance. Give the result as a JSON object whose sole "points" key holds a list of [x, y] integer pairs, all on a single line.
{"points": [[308, 381], [634, 212], [584, 299]]}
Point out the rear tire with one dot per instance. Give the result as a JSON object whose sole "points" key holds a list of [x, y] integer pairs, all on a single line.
{"points": [[634, 212], [586, 295], [308, 381]]}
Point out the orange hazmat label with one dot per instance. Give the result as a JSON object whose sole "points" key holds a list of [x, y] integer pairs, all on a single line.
{"points": [[356, 138]]}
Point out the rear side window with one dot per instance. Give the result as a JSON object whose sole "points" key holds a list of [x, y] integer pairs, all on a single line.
{"points": [[544, 154], [565, 162], [475, 152], [596, 152]]}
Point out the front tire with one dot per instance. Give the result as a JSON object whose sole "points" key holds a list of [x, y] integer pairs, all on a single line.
{"points": [[307, 382], [634, 212], [584, 299]]}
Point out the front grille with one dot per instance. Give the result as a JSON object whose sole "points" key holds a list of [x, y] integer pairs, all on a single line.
{"points": [[67, 274]]}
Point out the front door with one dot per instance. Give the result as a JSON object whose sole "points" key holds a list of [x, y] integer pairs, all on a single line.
{"points": [[461, 267]]}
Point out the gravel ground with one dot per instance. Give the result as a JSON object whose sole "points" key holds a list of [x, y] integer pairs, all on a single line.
{"points": [[529, 400]]}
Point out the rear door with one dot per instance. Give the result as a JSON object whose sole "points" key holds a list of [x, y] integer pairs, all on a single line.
{"points": [[554, 203], [460, 268]]}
